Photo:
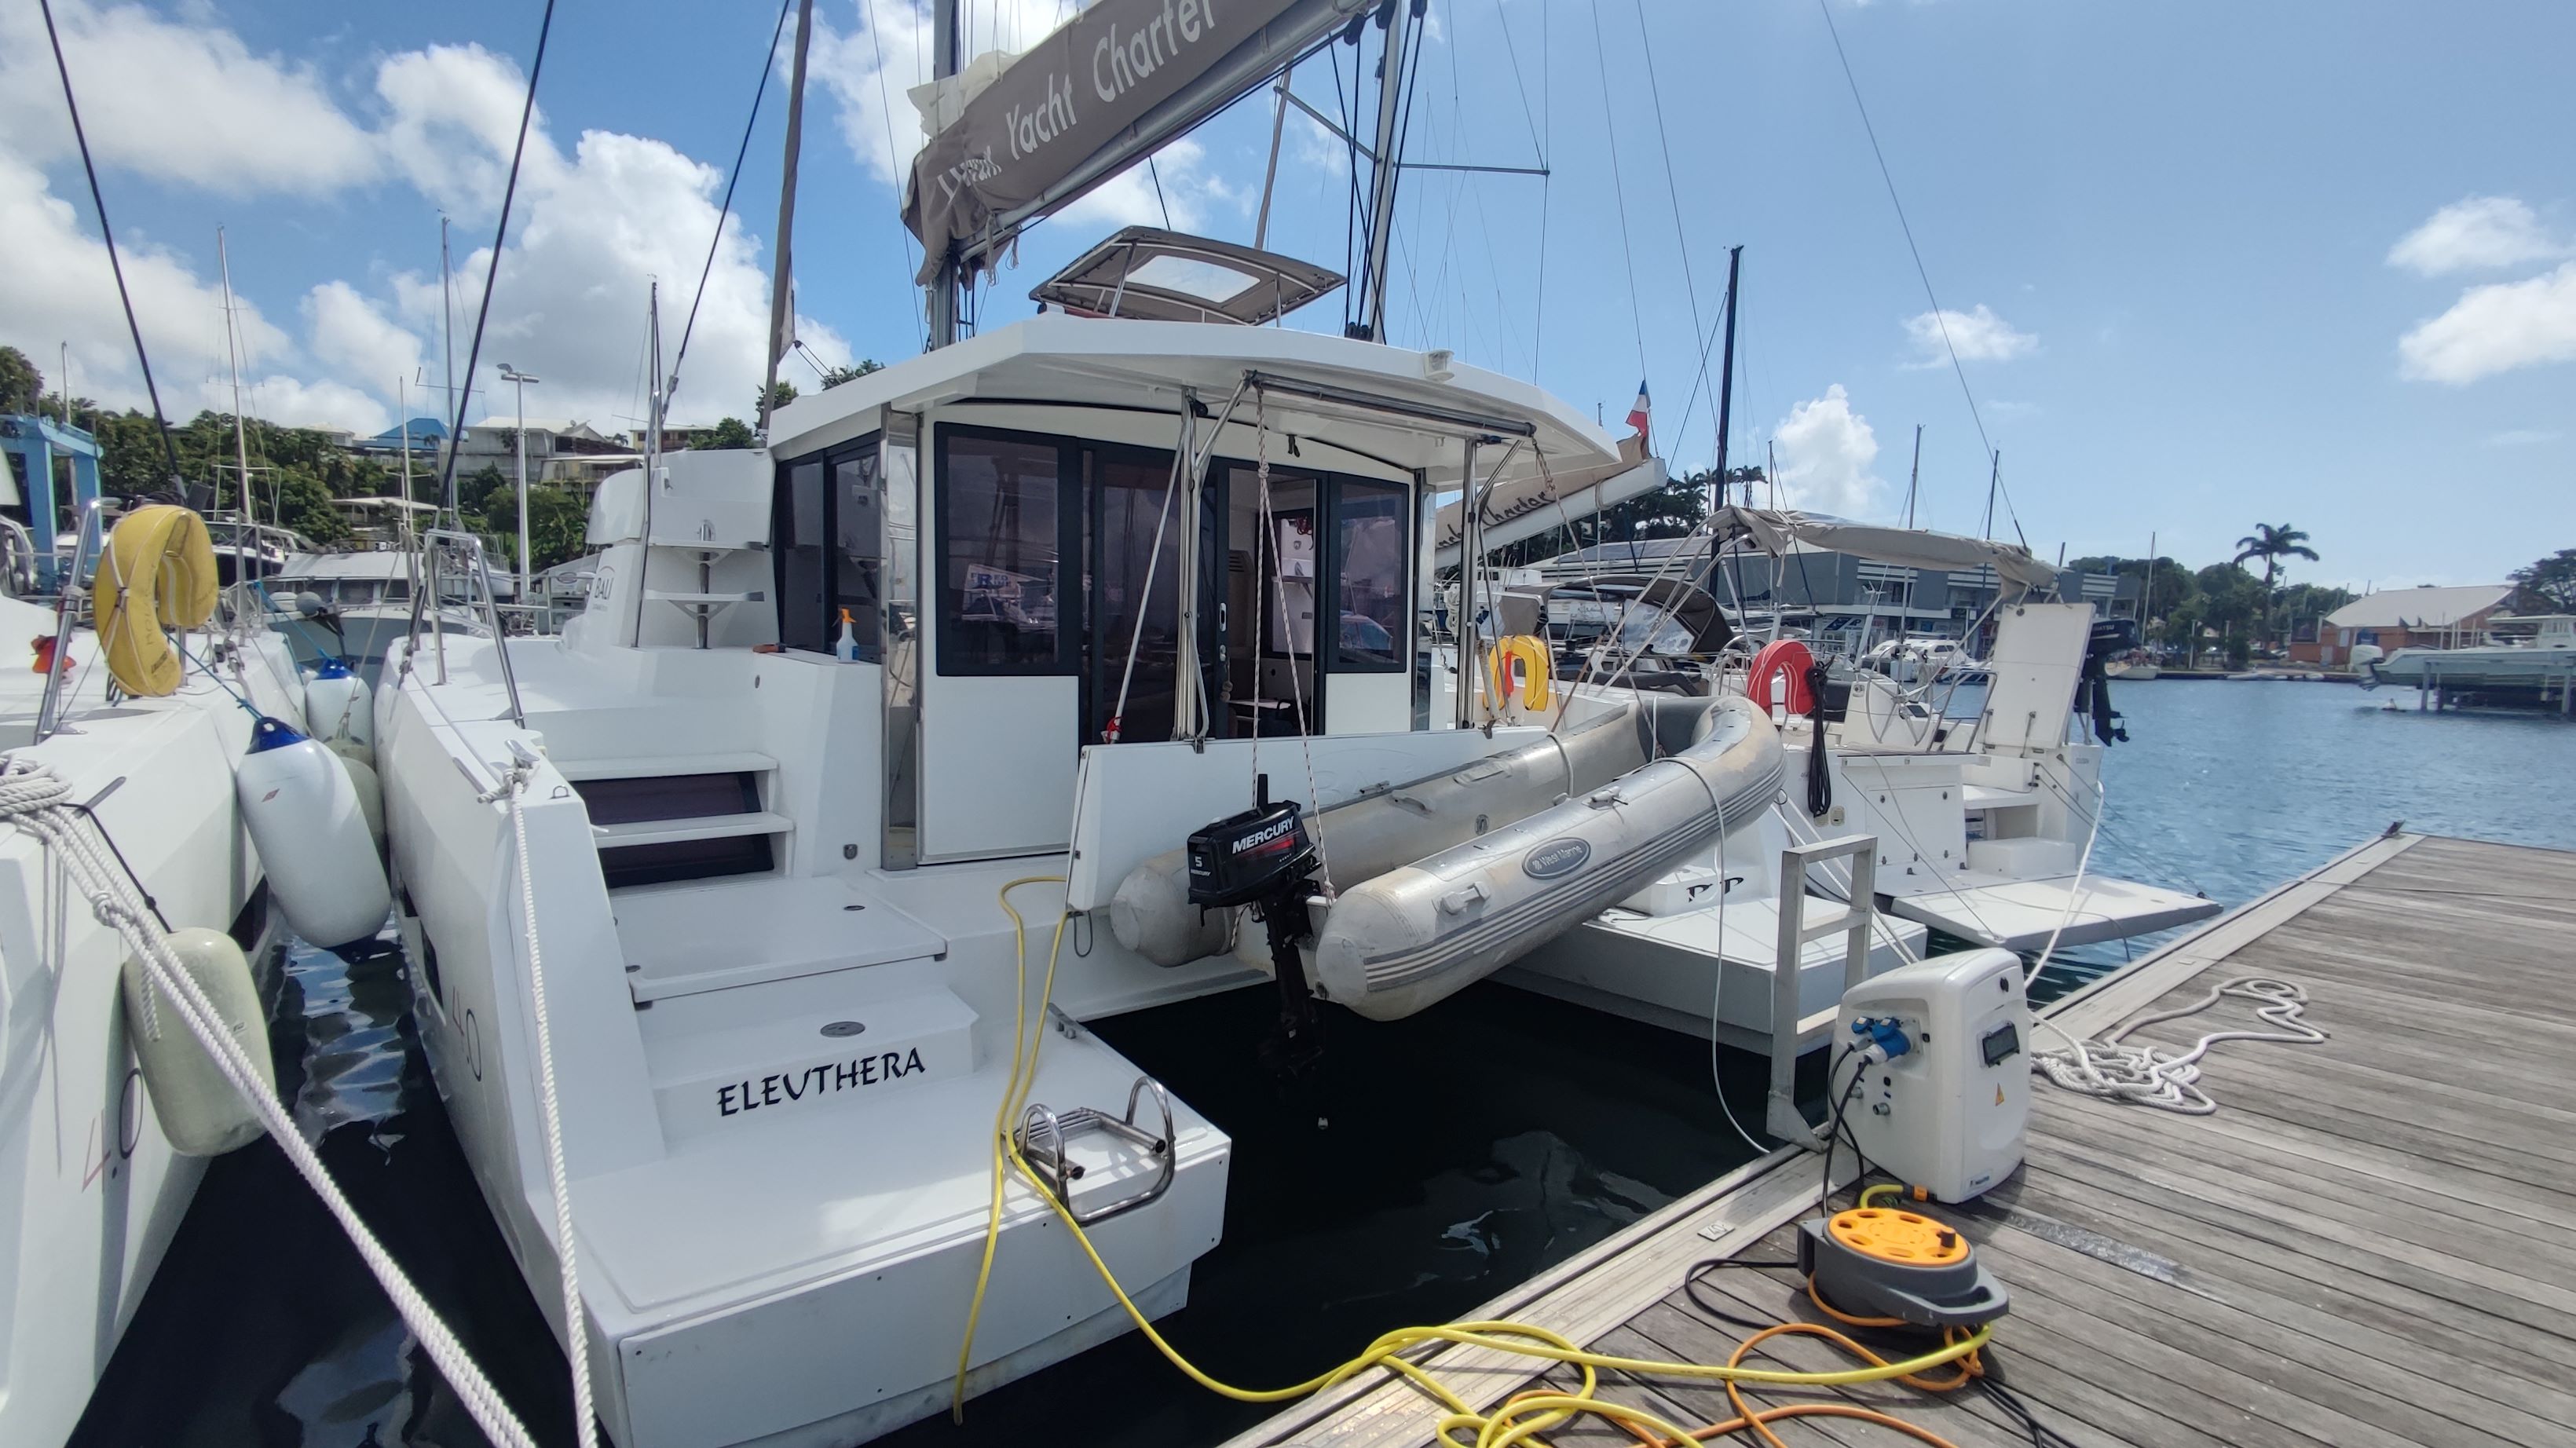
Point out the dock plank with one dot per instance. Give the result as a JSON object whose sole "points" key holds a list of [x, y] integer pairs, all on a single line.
{"points": [[2370, 1244]]}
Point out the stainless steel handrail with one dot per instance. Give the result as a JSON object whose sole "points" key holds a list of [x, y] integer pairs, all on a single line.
{"points": [[1042, 1135], [72, 591], [434, 543]]}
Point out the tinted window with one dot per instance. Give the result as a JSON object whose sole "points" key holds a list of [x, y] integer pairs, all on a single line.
{"points": [[798, 532], [857, 549], [1368, 574], [1000, 556]]}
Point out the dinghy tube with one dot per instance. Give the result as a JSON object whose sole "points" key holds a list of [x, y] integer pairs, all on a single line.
{"points": [[1382, 829], [1414, 935]]}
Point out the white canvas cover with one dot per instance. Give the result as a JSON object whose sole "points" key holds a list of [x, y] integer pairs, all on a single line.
{"points": [[1773, 531], [1534, 502]]}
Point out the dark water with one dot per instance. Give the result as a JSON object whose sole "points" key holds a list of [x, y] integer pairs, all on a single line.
{"points": [[1467, 1149]]}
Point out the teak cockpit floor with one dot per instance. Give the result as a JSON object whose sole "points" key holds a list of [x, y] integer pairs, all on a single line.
{"points": [[2368, 1246]]}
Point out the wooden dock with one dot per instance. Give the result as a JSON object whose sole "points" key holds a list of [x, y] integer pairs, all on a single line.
{"points": [[2368, 1246]]}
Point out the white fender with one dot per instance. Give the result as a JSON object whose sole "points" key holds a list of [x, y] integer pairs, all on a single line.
{"points": [[198, 1108], [304, 816], [362, 777], [340, 709], [1411, 937]]}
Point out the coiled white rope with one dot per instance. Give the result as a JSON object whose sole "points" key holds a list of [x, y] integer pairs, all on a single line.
{"points": [[576, 1319], [36, 799], [2166, 1079]]}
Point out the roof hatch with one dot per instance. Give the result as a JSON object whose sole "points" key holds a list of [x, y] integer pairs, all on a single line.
{"points": [[1166, 276]]}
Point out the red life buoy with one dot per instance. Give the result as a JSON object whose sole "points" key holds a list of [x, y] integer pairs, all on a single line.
{"points": [[1781, 656]]}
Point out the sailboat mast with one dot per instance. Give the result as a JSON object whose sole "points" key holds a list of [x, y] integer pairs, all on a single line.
{"points": [[782, 276], [653, 405], [1992, 478], [456, 414], [232, 347], [1726, 377], [1914, 479], [942, 301], [1390, 93]]}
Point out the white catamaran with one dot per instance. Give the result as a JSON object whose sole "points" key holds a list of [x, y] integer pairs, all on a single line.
{"points": [[1069, 669]]}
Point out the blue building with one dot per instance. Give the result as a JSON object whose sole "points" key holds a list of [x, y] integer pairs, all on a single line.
{"points": [[49, 501]]}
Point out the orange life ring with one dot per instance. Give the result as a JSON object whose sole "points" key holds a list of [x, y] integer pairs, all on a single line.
{"points": [[1781, 656]]}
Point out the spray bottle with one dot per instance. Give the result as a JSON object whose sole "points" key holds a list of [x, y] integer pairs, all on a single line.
{"points": [[846, 647]]}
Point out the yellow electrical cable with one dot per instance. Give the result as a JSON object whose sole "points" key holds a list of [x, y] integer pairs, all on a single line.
{"points": [[1014, 1094], [1498, 1430]]}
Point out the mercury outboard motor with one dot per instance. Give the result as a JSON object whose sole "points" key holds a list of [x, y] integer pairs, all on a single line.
{"points": [[2093, 687], [1264, 858]]}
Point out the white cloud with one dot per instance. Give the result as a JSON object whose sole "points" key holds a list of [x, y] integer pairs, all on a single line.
{"points": [[2523, 437], [870, 70], [1189, 190], [588, 231], [297, 403], [1978, 336], [349, 333], [2470, 235], [2496, 328], [452, 117], [1826, 450], [177, 101], [56, 286]]}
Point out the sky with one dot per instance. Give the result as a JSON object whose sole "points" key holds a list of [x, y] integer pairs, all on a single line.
{"points": [[2202, 264]]}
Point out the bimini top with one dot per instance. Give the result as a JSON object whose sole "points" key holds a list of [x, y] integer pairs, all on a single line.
{"points": [[1773, 532], [1165, 276], [1413, 410]]}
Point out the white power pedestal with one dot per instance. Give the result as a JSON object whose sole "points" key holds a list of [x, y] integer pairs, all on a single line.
{"points": [[1948, 1110]]}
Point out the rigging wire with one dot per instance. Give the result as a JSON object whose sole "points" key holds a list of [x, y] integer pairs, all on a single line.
{"points": [[1619, 188], [885, 111], [1672, 190], [160, 422], [500, 235], [1939, 317], [769, 62]]}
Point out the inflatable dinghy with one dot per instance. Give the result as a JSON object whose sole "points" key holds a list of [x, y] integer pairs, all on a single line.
{"points": [[1152, 915], [1417, 934]]}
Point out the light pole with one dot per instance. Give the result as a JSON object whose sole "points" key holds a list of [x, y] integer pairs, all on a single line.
{"points": [[522, 379]]}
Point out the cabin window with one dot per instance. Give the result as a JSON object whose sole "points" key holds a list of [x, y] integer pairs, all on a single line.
{"points": [[826, 526], [1002, 545], [1368, 576]]}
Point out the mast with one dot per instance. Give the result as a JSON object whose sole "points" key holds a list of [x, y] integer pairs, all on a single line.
{"points": [[1726, 407], [782, 284], [1390, 92], [1914, 479], [652, 449], [1993, 478], [455, 421], [1726, 375], [2147, 590], [942, 301], [402, 404], [241, 439]]}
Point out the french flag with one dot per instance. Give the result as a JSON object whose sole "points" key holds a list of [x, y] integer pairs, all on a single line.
{"points": [[1637, 415]]}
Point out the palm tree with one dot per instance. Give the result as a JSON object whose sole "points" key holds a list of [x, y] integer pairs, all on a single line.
{"points": [[2272, 545]]}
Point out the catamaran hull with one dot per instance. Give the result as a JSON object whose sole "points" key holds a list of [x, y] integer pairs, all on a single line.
{"points": [[1415, 935]]}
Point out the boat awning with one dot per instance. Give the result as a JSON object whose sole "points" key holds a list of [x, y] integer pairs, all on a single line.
{"points": [[1774, 531], [1530, 500]]}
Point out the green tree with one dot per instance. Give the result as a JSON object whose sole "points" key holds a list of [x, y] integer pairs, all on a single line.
{"points": [[778, 396], [2273, 546], [488, 491], [20, 383], [835, 376], [2549, 585], [557, 523], [733, 432]]}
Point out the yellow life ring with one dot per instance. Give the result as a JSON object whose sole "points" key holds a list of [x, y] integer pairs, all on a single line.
{"points": [[157, 570], [1532, 651]]}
